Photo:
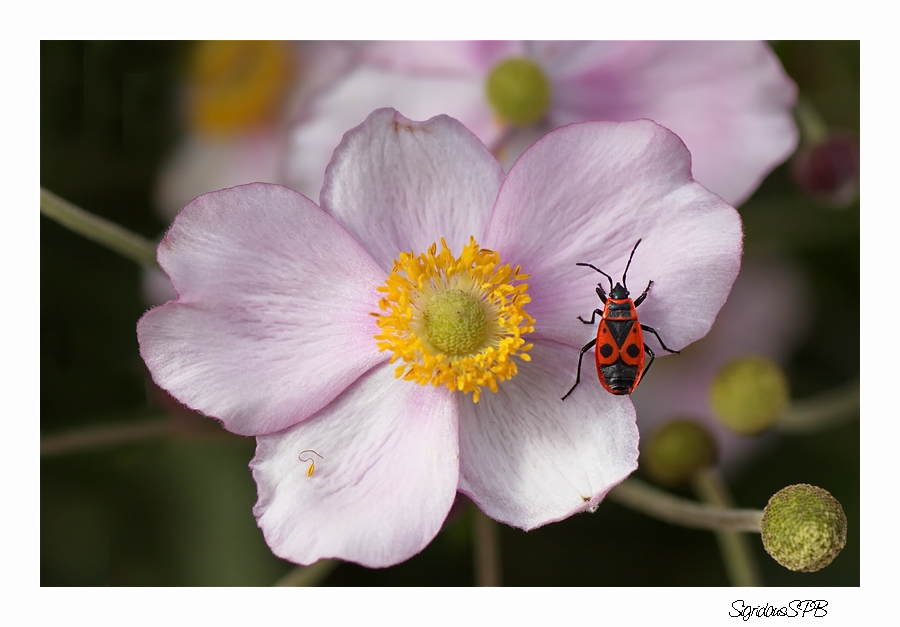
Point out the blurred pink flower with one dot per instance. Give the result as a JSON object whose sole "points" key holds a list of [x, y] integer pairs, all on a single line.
{"points": [[237, 99], [766, 314], [729, 101], [273, 333]]}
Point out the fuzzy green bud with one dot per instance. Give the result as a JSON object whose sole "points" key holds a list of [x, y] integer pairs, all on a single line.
{"points": [[678, 451], [804, 528], [749, 395], [519, 91]]}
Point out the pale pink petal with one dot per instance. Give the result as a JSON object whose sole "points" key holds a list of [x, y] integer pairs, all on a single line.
{"points": [[586, 193], [384, 487], [730, 101], [560, 58], [272, 320], [398, 185], [528, 458], [314, 139], [452, 58], [321, 64]]}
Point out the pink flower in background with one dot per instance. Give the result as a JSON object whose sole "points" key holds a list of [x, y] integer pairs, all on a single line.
{"points": [[237, 99], [729, 101], [455, 383], [766, 315]]}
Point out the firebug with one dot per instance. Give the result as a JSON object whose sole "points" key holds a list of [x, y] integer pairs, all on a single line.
{"points": [[620, 340]]}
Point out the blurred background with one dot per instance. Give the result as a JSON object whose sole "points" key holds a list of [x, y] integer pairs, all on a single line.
{"points": [[174, 508]]}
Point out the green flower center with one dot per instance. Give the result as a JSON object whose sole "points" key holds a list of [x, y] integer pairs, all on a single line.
{"points": [[519, 91], [455, 322]]}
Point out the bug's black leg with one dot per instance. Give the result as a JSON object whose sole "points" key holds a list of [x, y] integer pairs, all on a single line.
{"points": [[593, 315], [601, 293], [641, 298], [663, 344], [650, 352], [585, 349]]}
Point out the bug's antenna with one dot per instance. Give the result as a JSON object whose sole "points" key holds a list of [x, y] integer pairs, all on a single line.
{"points": [[589, 265], [630, 257]]}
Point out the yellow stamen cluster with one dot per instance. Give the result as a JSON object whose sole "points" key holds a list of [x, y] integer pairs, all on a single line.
{"points": [[236, 85], [419, 281]]}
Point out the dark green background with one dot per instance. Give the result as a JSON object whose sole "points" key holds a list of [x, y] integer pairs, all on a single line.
{"points": [[178, 511]]}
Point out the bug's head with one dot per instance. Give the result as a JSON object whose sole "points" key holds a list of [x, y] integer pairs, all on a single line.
{"points": [[619, 292]]}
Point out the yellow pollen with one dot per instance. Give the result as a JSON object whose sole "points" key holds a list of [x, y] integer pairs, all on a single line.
{"points": [[236, 85], [456, 322]]}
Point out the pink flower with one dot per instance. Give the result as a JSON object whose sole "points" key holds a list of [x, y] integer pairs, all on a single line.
{"points": [[273, 333], [729, 101], [237, 99]]}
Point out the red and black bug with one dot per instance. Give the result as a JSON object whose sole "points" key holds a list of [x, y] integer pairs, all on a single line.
{"points": [[620, 339]]}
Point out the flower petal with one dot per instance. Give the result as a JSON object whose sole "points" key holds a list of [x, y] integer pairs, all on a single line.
{"points": [[384, 487], [730, 101], [451, 58], [586, 193], [398, 185], [272, 320], [527, 458], [320, 128]]}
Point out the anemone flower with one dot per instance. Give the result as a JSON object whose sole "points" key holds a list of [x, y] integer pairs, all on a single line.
{"points": [[236, 99], [386, 350], [729, 101]]}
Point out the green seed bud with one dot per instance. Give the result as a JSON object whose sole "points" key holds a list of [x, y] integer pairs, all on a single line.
{"points": [[678, 451], [455, 322], [804, 528], [519, 91], [749, 395]]}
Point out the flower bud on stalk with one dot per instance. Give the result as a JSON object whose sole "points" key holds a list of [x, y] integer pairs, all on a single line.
{"points": [[749, 395], [804, 528], [828, 170], [678, 451]]}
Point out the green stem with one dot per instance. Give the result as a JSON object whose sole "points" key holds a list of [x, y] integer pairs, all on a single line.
{"points": [[311, 575], [99, 230], [823, 411], [643, 497], [102, 436], [487, 550], [735, 547]]}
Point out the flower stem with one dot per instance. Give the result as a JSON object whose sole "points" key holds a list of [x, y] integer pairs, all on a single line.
{"points": [[102, 436], [311, 575], [735, 547], [99, 230], [823, 411], [487, 550], [640, 496]]}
